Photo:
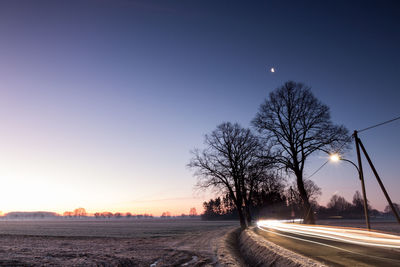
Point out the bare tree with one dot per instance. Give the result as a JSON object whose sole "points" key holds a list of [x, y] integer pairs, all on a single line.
{"points": [[388, 209], [80, 212], [259, 177], [166, 214], [193, 212], [106, 214], [228, 163], [313, 193], [358, 203], [338, 204], [298, 124]]}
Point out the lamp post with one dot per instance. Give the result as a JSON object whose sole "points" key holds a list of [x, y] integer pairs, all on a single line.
{"points": [[335, 158]]}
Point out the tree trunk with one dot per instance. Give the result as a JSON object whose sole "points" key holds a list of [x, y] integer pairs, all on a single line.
{"points": [[308, 212], [242, 219], [238, 200], [248, 214]]}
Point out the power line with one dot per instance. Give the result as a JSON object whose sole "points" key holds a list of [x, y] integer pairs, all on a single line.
{"points": [[347, 139], [379, 124], [337, 151], [318, 169], [344, 143]]}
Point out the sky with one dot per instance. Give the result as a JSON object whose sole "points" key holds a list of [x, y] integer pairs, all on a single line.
{"points": [[102, 101]]}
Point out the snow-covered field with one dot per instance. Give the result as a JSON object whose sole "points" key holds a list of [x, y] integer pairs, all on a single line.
{"points": [[151, 242]]}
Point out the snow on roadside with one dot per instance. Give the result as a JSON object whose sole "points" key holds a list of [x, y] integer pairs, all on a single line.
{"points": [[227, 250]]}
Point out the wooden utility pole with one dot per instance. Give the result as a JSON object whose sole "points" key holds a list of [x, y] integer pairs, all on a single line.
{"points": [[380, 182], [361, 175]]}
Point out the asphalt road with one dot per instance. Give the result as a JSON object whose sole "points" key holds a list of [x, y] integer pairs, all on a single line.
{"points": [[333, 252]]}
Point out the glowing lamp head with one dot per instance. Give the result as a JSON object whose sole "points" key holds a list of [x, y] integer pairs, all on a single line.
{"points": [[334, 157]]}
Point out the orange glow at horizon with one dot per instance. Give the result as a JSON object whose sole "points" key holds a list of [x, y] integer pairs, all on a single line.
{"points": [[175, 211], [155, 208], [44, 175]]}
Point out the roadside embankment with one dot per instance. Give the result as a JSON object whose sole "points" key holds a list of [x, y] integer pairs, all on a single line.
{"points": [[246, 248], [228, 253]]}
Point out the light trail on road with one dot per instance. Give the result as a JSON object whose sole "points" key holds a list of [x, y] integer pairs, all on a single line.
{"points": [[348, 235]]}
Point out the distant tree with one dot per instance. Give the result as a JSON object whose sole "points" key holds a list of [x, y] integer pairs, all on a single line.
{"points": [[216, 209], [106, 214], [192, 212], [118, 215], [298, 125], [228, 164], [166, 214], [68, 214], [97, 215], [228, 207], [358, 200], [339, 204], [313, 190], [128, 215], [358, 203], [389, 210], [313, 193], [212, 209], [80, 212], [269, 200]]}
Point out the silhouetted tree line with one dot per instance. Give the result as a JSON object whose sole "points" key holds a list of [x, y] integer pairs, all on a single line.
{"points": [[117, 215], [273, 199], [31, 215], [218, 209], [286, 204], [79, 212], [339, 207]]}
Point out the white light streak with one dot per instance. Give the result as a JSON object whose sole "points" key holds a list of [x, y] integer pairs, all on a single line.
{"points": [[348, 235]]}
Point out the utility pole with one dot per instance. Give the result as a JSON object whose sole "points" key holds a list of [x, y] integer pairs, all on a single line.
{"points": [[360, 172], [380, 182]]}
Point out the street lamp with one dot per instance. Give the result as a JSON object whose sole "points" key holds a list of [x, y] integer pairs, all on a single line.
{"points": [[335, 158]]}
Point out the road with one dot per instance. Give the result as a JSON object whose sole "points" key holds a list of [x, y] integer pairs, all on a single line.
{"points": [[334, 246]]}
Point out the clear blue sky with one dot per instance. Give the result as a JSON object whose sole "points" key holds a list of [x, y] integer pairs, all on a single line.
{"points": [[101, 101]]}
